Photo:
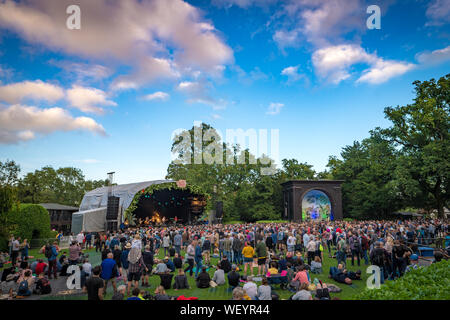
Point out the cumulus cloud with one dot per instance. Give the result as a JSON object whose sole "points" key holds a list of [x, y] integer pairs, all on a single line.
{"points": [[89, 100], [84, 72], [274, 108], [159, 95], [434, 57], [22, 123], [320, 22], [34, 90], [333, 64], [383, 70], [292, 73], [198, 92], [150, 69], [135, 33], [438, 12]]}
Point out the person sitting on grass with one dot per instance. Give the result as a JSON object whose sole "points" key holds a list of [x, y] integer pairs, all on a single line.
{"points": [[264, 290], [135, 294], [166, 279], [120, 294], [251, 288], [169, 264], [238, 294], [161, 267], [302, 293], [233, 277], [42, 285], [273, 270], [203, 279], [316, 265], [225, 264], [25, 283], [160, 294], [219, 276], [181, 281]]}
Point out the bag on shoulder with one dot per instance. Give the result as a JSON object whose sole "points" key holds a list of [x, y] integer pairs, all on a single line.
{"points": [[48, 251], [23, 287]]}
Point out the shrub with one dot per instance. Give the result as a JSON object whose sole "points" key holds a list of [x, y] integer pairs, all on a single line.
{"points": [[426, 283], [31, 221]]}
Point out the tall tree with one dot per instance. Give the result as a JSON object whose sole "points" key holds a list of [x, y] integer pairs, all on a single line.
{"points": [[9, 173], [422, 132]]}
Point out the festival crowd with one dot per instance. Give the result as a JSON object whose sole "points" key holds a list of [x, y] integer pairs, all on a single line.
{"points": [[272, 254]]}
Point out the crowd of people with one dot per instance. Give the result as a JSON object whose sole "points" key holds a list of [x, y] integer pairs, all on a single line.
{"points": [[288, 254]]}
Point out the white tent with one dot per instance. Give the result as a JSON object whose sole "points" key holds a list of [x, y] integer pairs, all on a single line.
{"points": [[92, 214]]}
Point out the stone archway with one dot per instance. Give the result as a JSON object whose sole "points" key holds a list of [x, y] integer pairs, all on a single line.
{"points": [[295, 190]]}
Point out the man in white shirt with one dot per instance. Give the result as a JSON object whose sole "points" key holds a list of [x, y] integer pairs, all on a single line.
{"points": [[251, 288], [80, 238]]}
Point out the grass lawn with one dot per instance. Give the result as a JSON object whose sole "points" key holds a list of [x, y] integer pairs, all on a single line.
{"points": [[222, 292]]}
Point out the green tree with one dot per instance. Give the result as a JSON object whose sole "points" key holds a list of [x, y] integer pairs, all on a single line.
{"points": [[422, 132], [367, 169], [9, 173]]}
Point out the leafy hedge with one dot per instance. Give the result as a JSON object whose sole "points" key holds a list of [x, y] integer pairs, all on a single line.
{"points": [[30, 221], [426, 283]]}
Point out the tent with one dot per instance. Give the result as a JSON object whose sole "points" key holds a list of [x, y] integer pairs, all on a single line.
{"points": [[92, 214], [90, 220]]}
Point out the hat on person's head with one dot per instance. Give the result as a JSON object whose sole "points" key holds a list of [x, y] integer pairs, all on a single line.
{"points": [[128, 246], [414, 257]]}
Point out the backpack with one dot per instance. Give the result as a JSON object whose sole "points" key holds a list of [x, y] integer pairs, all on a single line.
{"points": [[23, 287], [48, 251]]}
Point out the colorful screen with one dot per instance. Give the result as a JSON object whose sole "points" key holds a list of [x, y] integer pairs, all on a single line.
{"points": [[316, 206]]}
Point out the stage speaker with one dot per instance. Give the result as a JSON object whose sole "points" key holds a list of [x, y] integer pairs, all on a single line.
{"points": [[111, 225], [219, 209], [112, 209]]}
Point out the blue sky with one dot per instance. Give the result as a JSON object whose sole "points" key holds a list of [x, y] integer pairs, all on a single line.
{"points": [[108, 97]]}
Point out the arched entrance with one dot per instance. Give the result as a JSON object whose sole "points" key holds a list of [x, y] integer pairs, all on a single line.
{"points": [[316, 205], [312, 200]]}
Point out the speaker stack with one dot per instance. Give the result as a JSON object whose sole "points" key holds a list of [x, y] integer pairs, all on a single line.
{"points": [[112, 211]]}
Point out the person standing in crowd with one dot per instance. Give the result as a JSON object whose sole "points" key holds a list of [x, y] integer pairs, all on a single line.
{"points": [[94, 286], [109, 271], [51, 252], [74, 253], [15, 248]]}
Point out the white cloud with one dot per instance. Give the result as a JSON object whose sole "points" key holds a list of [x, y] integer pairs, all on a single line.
{"points": [[84, 71], [274, 108], [89, 100], [438, 12], [320, 22], [198, 92], [382, 71], [151, 69], [35, 90], [292, 73], [159, 95], [133, 32], [333, 64], [434, 57], [21, 123]]}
